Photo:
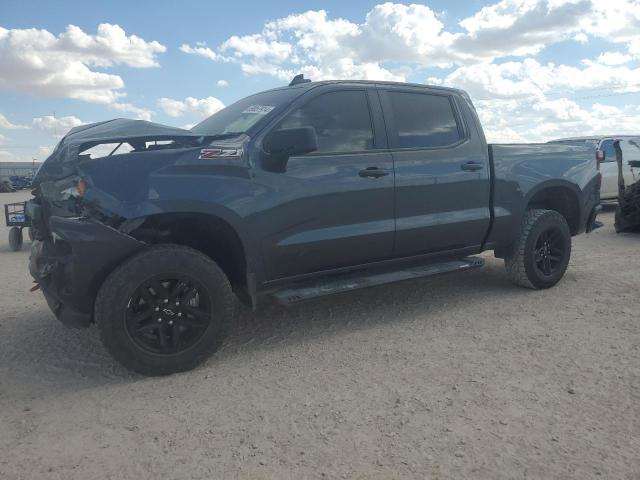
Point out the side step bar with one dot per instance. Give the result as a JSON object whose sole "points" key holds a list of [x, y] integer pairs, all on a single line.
{"points": [[348, 282]]}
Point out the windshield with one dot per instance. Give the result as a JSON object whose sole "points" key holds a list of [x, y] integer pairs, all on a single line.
{"points": [[247, 113]]}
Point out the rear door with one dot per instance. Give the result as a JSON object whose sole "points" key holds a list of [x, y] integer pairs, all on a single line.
{"points": [[631, 153], [609, 170], [334, 206], [441, 172]]}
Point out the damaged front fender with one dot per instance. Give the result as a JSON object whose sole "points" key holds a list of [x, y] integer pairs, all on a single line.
{"points": [[71, 265]]}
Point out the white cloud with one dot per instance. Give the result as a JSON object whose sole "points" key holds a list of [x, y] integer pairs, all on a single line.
{"points": [[313, 44], [56, 126], [395, 38], [41, 63], [3, 139], [45, 151], [139, 113], [7, 156], [257, 46], [614, 20], [614, 58], [222, 83], [529, 78], [533, 119], [4, 123], [520, 27], [110, 46], [200, 50], [199, 107]]}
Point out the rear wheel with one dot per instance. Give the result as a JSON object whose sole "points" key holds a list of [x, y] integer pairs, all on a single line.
{"points": [[540, 256], [165, 310], [15, 238]]}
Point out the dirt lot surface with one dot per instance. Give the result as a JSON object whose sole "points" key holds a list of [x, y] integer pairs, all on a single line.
{"points": [[458, 376]]}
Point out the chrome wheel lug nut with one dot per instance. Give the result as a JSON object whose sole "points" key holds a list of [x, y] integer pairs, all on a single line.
{"points": [[179, 314], [159, 320], [170, 322], [166, 300]]}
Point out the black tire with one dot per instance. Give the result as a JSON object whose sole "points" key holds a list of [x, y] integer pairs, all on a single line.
{"points": [[125, 296], [540, 256], [15, 238]]}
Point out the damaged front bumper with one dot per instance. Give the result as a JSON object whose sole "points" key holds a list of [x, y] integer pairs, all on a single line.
{"points": [[72, 262]]}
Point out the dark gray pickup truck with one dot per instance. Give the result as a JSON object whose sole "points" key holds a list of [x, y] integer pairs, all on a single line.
{"points": [[154, 232]]}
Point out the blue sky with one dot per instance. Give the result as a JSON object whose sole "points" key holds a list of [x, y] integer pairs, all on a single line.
{"points": [[536, 69]]}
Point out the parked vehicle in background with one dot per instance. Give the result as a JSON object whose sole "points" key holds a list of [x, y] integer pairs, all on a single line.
{"points": [[5, 187], [20, 181], [290, 194], [606, 155]]}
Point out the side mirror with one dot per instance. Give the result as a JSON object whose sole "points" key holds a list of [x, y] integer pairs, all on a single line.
{"points": [[291, 141]]}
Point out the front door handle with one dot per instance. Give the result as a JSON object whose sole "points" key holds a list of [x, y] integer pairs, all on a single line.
{"points": [[373, 172], [472, 166]]}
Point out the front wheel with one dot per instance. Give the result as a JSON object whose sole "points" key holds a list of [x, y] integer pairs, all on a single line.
{"points": [[165, 310], [540, 256]]}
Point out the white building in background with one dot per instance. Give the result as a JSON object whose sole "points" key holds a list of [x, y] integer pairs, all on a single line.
{"points": [[27, 169]]}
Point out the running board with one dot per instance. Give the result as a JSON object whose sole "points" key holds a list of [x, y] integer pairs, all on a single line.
{"points": [[355, 281]]}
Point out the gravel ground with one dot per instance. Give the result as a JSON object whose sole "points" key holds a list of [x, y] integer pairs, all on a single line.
{"points": [[458, 376]]}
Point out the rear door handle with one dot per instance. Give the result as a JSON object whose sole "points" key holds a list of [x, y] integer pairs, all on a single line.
{"points": [[373, 172], [472, 166]]}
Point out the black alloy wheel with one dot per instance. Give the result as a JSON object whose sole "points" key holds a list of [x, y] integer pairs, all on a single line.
{"points": [[540, 255], [549, 252], [164, 310], [168, 315]]}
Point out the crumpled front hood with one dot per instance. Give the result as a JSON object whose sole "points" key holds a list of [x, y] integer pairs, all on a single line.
{"points": [[63, 159]]}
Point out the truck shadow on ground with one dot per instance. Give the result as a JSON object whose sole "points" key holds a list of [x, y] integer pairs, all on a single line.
{"points": [[40, 349], [274, 325]]}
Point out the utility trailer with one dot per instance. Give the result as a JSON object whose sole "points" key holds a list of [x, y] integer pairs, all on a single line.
{"points": [[16, 217]]}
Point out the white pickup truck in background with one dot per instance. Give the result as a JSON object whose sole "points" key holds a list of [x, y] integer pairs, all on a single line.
{"points": [[606, 155]]}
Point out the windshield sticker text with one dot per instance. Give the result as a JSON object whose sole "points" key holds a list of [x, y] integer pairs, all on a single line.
{"points": [[258, 109]]}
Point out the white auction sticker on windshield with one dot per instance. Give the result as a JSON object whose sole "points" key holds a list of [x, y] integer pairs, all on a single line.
{"points": [[258, 109]]}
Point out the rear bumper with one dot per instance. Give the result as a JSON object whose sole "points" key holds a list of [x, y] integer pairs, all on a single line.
{"points": [[71, 264]]}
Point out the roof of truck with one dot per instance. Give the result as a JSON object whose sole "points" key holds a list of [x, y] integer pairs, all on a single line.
{"points": [[309, 85]]}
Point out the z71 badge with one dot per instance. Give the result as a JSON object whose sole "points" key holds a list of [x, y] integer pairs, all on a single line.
{"points": [[220, 154]]}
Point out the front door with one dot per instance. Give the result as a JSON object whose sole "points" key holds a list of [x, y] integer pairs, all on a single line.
{"points": [[609, 169], [334, 206]]}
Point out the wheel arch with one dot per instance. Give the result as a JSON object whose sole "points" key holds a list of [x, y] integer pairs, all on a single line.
{"points": [[213, 235], [561, 196]]}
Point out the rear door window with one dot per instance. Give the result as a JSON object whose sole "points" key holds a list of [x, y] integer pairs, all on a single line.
{"points": [[341, 120], [423, 120]]}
